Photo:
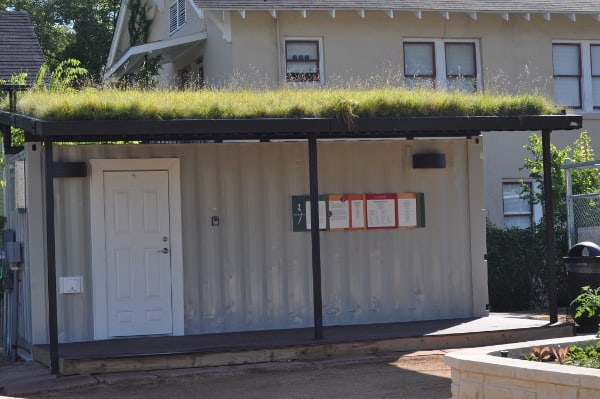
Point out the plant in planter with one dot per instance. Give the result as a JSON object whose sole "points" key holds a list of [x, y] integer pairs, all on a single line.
{"points": [[587, 303]]}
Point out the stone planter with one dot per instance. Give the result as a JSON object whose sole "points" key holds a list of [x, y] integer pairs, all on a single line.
{"points": [[482, 373]]}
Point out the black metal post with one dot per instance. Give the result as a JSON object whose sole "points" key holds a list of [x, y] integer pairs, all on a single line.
{"points": [[549, 218], [315, 238], [51, 256]]}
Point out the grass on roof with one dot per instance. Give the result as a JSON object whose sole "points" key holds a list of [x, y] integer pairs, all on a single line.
{"points": [[285, 103]]}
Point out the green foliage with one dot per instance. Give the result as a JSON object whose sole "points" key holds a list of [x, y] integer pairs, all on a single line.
{"points": [[588, 302], [71, 28], [574, 355], [66, 75], [516, 272], [585, 180], [584, 356], [144, 78], [139, 23], [287, 102]]}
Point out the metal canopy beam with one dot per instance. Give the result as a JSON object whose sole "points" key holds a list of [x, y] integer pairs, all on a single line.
{"points": [[282, 128], [51, 257], [549, 219], [315, 237]]}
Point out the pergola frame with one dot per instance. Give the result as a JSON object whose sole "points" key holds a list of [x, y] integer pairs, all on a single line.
{"points": [[267, 129]]}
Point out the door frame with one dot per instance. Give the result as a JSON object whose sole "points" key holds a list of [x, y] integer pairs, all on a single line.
{"points": [[98, 231]]}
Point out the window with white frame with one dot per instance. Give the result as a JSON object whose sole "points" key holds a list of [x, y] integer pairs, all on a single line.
{"points": [[442, 64], [303, 60], [576, 72], [176, 15], [518, 211]]}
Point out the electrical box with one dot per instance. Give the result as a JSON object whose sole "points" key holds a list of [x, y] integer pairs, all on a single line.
{"points": [[10, 235], [14, 252], [20, 185]]}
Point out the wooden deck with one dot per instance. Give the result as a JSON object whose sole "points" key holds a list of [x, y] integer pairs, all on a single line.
{"points": [[165, 352]]}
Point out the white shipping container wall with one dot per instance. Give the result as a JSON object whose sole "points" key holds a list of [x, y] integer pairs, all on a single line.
{"points": [[253, 272]]}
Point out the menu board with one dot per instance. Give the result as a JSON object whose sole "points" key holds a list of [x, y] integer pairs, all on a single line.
{"points": [[339, 212], [381, 211]]}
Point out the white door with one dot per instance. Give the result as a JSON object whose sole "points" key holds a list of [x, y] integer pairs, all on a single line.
{"points": [[138, 260]]}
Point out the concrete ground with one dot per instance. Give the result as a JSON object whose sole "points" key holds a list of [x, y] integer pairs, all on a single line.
{"points": [[415, 375]]}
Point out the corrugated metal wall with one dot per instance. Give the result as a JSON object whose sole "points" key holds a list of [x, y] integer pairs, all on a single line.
{"points": [[21, 293], [253, 272]]}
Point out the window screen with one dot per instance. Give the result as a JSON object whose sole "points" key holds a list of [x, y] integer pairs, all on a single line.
{"points": [[595, 59], [517, 210], [567, 74], [460, 66], [419, 64]]}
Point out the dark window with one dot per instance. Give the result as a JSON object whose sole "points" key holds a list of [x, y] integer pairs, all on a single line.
{"points": [[302, 61]]}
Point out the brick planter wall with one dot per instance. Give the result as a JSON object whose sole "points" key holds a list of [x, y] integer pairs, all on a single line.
{"points": [[481, 373]]}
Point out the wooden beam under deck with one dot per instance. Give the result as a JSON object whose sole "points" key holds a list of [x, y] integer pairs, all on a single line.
{"points": [[209, 350]]}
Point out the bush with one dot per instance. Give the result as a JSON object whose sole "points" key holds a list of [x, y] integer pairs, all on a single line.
{"points": [[517, 272], [515, 262]]}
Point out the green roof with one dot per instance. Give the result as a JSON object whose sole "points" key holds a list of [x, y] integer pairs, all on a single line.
{"points": [[94, 104]]}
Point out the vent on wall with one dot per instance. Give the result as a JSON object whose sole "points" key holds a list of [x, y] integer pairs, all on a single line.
{"points": [[429, 161]]}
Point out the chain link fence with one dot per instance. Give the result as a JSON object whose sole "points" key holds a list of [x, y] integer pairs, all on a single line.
{"points": [[583, 210]]}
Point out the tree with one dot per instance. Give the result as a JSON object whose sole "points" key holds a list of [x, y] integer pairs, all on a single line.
{"points": [[585, 180], [72, 29]]}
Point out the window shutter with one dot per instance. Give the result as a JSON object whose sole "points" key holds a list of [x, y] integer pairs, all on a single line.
{"points": [[173, 18], [595, 56], [181, 14]]}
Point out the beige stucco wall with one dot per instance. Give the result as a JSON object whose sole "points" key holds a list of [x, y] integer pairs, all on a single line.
{"points": [[515, 57]]}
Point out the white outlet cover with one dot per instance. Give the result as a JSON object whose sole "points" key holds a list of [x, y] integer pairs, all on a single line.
{"points": [[71, 285]]}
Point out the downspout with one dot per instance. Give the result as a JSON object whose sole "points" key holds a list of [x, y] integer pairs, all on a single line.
{"points": [[549, 217]]}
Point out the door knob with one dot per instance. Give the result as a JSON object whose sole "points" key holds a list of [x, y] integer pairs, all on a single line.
{"points": [[164, 251]]}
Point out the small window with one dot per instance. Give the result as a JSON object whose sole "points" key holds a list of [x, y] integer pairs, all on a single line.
{"points": [[419, 65], [461, 72], [443, 64], [176, 15], [518, 211], [302, 61], [566, 61]]}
